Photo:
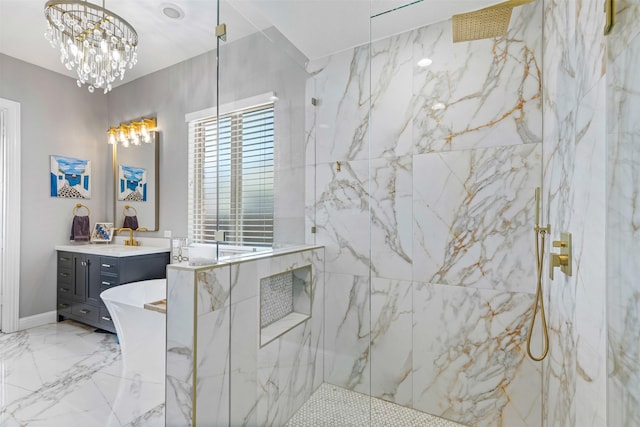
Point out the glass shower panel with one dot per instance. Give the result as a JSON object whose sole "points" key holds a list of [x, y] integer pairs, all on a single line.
{"points": [[454, 158], [264, 82], [623, 242]]}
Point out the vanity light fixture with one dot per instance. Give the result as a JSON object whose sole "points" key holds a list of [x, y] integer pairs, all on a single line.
{"points": [[135, 132], [95, 42]]}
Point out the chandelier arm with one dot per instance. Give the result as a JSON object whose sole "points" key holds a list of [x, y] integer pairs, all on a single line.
{"points": [[56, 4], [99, 44]]}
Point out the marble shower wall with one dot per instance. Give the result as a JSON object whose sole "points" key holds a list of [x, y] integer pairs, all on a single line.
{"points": [[623, 235], [575, 201], [427, 227]]}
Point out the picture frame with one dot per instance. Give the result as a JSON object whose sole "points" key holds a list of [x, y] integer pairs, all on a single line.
{"points": [[103, 232], [133, 184], [69, 177]]}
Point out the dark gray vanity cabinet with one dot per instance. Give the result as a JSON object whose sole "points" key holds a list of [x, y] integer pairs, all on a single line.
{"points": [[75, 296], [82, 277]]}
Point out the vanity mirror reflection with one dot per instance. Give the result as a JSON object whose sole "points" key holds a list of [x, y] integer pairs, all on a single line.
{"points": [[135, 174]]}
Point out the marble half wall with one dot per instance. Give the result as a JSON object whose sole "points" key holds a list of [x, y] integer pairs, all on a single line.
{"points": [[218, 372], [197, 345], [428, 223]]}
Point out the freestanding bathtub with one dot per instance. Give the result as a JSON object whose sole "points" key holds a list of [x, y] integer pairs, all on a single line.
{"points": [[141, 332]]}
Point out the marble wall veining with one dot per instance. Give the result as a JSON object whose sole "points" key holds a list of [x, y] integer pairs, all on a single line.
{"points": [[427, 226], [623, 239], [574, 199], [217, 371]]}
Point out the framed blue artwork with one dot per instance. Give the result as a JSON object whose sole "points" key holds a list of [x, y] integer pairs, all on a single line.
{"points": [[70, 177], [132, 183]]}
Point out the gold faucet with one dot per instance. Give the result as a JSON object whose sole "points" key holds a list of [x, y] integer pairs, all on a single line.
{"points": [[563, 259], [129, 242]]}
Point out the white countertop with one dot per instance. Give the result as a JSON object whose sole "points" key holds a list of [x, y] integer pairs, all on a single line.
{"points": [[117, 249]]}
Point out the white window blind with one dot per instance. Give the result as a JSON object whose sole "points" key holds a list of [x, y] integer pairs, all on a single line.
{"points": [[231, 177]]}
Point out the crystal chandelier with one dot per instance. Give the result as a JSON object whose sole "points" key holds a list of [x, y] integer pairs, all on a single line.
{"points": [[95, 42]]}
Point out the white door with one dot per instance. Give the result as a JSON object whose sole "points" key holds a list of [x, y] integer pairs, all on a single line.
{"points": [[9, 214], [3, 138]]}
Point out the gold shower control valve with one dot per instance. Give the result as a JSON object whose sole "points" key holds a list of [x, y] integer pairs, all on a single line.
{"points": [[563, 259]]}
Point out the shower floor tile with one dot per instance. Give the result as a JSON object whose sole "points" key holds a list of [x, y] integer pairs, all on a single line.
{"points": [[335, 406]]}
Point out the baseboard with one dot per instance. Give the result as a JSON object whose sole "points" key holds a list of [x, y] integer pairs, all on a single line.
{"points": [[37, 320]]}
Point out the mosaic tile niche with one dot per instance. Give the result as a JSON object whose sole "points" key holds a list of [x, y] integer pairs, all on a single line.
{"points": [[285, 302]]}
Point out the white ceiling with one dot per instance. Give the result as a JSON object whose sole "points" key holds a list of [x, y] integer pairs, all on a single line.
{"points": [[316, 27]]}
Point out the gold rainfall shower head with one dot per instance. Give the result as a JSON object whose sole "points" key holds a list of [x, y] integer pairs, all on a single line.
{"points": [[492, 21]]}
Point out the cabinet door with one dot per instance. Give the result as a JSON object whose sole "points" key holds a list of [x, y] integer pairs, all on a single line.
{"points": [[79, 277], [93, 279]]}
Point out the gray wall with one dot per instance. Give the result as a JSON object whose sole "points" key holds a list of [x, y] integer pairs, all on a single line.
{"points": [[57, 118]]}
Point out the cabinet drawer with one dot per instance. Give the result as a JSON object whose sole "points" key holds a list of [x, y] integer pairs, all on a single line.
{"points": [[64, 306], [65, 290], [65, 260], [108, 281], [105, 319], [65, 275], [85, 311], [109, 265]]}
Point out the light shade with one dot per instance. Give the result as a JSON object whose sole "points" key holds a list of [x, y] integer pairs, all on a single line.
{"points": [[95, 42]]}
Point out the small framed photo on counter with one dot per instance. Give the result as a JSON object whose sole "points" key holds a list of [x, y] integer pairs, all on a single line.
{"points": [[102, 232]]}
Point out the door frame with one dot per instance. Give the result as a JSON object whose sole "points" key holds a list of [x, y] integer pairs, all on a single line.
{"points": [[10, 259]]}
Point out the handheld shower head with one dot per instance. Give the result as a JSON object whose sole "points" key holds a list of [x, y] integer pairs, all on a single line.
{"points": [[537, 206]]}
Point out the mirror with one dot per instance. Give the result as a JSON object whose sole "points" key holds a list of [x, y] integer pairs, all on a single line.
{"points": [[135, 172]]}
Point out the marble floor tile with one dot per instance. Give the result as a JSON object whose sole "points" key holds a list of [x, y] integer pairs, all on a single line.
{"points": [[65, 374]]}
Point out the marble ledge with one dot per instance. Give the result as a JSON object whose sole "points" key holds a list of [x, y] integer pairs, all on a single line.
{"points": [[281, 327], [239, 259]]}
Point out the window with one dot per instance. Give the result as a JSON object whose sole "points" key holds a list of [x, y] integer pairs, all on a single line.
{"points": [[231, 176]]}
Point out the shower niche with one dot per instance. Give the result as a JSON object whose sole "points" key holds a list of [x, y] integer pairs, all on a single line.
{"points": [[285, 302]]}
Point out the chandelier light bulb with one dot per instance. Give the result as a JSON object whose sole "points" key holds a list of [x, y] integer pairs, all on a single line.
{"points": [[94, 41]]}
